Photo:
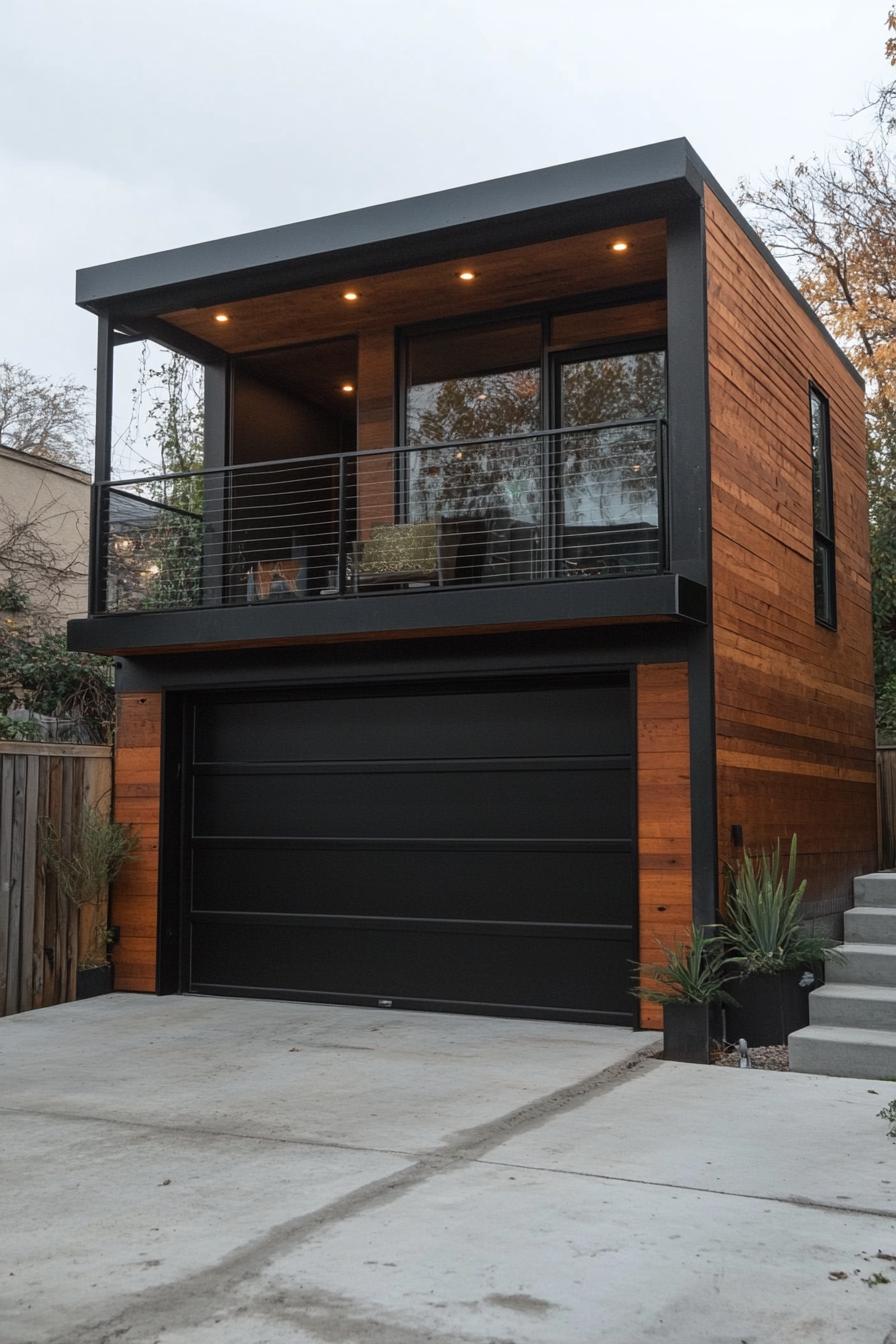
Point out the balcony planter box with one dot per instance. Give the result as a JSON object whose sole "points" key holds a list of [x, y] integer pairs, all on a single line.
{"points": [[689, 1030], [768, 1007], [94, 980]]}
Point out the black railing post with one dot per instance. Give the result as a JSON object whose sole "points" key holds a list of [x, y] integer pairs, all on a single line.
{"points": [[548, 538], [662, 493], [340, 529], [213, 590]]}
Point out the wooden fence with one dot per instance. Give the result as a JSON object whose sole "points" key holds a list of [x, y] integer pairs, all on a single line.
{"points": [[40, 932], [886, 807]]}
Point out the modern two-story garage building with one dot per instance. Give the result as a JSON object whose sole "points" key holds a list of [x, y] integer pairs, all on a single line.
{"points": [[526, 577]]}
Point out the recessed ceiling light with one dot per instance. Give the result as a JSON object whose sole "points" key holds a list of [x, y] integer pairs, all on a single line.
{"points": [[466, 275], [619, 246], [351, 295], [221, 317], [348, 387]]}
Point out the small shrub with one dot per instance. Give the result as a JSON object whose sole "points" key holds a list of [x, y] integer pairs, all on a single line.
{"points": [[85, 862], [20, 730], [13, 596], [40, 673], [889, 1114], [763, 917], [693, 971]]}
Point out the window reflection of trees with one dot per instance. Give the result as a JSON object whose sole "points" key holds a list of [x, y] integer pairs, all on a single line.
{"points": [[475, 480], [608, 476]]}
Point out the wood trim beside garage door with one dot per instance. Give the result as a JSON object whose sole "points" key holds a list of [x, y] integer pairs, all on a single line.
{"points": [[664, 823], [664, 813], [138, 757]]}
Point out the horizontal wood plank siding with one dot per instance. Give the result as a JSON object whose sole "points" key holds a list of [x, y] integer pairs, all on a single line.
{"points": [[794, 701], [134, 907], [664, 813]]}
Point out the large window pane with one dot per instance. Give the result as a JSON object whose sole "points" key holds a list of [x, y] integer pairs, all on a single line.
{"points": [[478, 383], [608, 474]]}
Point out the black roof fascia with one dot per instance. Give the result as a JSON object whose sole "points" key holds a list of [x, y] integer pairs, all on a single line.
{"points": [[506, 212], [565, 199]]}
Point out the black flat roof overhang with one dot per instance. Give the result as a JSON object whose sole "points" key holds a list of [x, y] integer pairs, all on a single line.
{"points": [[506, 212], [633, 184]]}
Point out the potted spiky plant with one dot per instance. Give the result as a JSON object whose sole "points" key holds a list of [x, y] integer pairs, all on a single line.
{"points": [[776, 958], [690, 984]]}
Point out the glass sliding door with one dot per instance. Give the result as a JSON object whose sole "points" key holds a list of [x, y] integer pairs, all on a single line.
{"points": [[477, 390], [605, 406]]}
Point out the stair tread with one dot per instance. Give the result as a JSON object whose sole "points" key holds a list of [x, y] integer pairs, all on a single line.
{"points": [[875, 911], [846, 989], [848, 1035], [879, 949]]}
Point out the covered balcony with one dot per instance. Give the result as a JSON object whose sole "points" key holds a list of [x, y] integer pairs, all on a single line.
{"points": [[487, 431], [577, 504]]}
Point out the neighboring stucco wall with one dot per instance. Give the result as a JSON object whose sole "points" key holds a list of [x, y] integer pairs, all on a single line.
{"points": [[54, 502]]}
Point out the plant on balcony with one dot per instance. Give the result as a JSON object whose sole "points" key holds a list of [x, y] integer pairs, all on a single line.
{"points": [[768, 944], [84, 861], [690, 984]]}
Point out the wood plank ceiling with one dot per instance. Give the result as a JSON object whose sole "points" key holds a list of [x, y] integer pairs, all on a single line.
{"points": [[559, 269]]}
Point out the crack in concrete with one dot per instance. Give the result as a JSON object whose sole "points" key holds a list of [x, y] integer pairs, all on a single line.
{"points": [[200, 1131], [138, 1317], [799, 1201]]}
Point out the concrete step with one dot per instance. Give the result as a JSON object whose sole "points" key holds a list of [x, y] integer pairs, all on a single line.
{"points": [[863, 964], [871, 1006], [870, 924], [875, 889], [844, 1052]]}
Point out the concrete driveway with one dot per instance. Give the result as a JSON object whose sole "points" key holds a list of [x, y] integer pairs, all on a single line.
{"points": [[209, 1171]]}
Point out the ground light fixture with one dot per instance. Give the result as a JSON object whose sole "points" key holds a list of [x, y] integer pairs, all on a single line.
{"points": [[466, 275], [222, 317], [620, 245], [348, 387], [351, 295]]}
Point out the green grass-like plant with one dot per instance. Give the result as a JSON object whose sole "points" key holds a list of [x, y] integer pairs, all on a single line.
{"points": [[84, 862], [693, 971], [763, 927]]}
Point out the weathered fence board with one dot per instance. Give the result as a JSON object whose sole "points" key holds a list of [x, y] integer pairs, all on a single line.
{"points": [[40, 933], [886, 806]]}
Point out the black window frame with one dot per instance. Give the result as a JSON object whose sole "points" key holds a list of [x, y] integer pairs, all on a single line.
{"points": [[824, 550]]}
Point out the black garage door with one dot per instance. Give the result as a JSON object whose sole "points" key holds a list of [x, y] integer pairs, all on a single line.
{"points": [[463, 847]]}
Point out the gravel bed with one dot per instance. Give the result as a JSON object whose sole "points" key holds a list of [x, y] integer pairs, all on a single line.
{"points": [[761, 1057]]}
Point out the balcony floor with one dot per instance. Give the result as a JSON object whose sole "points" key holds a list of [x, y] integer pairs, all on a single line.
{"points": [[548, 605]]}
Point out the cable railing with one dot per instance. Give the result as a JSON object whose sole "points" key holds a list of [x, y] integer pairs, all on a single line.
{"points": [[585, 502]]}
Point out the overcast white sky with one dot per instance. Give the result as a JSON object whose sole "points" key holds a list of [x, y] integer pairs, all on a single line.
{"points": [[128, 126]]}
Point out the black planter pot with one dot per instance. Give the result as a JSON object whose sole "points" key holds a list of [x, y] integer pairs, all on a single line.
{"points": [[94, 980], [768, 1007], [689, 1030]]}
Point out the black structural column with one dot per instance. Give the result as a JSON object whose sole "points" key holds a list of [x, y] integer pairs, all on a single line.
{"points": [[689, 520], [102, 464], [214, 504]]}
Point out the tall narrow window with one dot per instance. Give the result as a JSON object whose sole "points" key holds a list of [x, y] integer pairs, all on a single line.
{"points": [[822, 509]]}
